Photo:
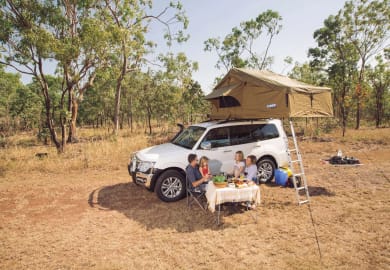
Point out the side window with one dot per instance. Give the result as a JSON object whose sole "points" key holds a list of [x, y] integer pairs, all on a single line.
{"points": [[218, 137], [241, 134], [265, 132]]}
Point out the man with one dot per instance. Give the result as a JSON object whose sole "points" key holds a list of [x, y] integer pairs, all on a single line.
{"points": [[193, 174]]}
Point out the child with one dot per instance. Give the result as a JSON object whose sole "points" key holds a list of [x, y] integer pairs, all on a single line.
{"points": [[239, 164], [251, 168], [204, 166], [251, 174]]}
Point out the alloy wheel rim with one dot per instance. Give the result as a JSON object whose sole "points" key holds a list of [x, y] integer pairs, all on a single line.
{"points": [[171, 187], [265, 171]]}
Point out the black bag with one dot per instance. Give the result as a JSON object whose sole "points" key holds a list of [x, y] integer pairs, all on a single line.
{"points": [[336, 160]]}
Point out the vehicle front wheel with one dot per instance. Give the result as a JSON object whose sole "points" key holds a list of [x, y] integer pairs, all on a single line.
{"points": [[265, 170], [170, 186]]}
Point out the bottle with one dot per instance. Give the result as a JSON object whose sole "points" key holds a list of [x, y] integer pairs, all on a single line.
{"points": [[339, 153]]}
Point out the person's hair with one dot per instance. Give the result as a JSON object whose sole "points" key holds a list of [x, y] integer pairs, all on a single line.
{"points": [[252, 159], [191, 157], [241, 155], [202, 160]]}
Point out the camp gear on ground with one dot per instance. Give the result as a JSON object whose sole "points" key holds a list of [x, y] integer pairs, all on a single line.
{"points": [[337, 160], [281, 177]]}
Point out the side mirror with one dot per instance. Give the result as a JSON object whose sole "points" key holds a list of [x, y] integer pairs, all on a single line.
{"points": [[205, 145]]}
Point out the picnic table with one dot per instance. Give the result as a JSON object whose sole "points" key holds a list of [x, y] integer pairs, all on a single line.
{"points": [[217, 196]]}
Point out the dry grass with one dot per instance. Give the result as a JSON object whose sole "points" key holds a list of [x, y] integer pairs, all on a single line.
{"points": [[81, 211]]}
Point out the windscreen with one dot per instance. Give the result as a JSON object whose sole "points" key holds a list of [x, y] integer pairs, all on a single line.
{"points": [[188, 137]]}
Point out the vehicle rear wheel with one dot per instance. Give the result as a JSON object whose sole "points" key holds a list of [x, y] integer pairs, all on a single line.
{"points": [[265, 170], [170, 186]]}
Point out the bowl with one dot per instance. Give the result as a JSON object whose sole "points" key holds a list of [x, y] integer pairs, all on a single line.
{"points": [[220, 184]]}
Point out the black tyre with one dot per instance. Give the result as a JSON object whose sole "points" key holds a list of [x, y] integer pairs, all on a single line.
{"points": [[265, 170], [170, 186]]}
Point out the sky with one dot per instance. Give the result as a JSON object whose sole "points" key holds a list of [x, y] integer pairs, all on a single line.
{"points": [[213, 18], [216, 18]]}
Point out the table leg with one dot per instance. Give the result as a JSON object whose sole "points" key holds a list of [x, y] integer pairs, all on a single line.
{"points": [[218, 213]]}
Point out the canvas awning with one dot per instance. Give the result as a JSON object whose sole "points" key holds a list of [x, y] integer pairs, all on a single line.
{"points": [[223, 91], [264, 94]]}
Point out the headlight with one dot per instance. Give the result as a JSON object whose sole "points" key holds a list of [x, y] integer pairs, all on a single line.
{"points": [[132, 157], [144, 166]]}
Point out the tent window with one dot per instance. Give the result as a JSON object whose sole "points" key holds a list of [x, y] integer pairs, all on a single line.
{"points": [[228, 101]]}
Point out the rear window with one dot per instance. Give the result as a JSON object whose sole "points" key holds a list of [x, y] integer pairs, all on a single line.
{"points": [[252, 133], [235, 135]]}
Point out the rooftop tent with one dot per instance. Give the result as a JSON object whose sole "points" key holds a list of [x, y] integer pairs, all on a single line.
{"points": [[252, 94]]}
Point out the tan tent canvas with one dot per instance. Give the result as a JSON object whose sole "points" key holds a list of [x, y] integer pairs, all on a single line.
{"points": [[252, 94]]}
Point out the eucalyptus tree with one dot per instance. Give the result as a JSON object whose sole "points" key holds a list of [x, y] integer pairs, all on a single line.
{"points": [[65, 32], [379, 79], [177, 70], [366, 25], [9, 84], [237, 49], [336, 56], [128, 22]]}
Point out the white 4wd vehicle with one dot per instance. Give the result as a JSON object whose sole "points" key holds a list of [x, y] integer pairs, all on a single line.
{"points": [[161, 168]]}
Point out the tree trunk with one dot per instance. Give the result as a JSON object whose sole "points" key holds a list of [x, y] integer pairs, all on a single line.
{"points": [[343, 110], [118, 89], [74, 107], [150, 120], [379, 97], [49, 120], [358, 110], [359, 95]]}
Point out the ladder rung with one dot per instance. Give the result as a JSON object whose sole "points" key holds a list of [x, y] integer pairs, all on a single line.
{"points": [[293, 161], [292, 150], [300, 188], [305, 201], [298, 174]]}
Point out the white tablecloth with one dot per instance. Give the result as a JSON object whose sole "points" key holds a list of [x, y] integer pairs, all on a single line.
{"points": [[217, 196]]}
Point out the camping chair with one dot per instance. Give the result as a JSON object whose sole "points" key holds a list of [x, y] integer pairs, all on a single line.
{"points": [[195, 195]]}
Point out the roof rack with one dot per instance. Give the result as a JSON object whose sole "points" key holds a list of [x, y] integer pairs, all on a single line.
{"points": [[239, 120]]}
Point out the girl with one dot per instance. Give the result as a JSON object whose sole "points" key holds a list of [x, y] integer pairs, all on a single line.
{"points": [[239, 164], [204, 166]]}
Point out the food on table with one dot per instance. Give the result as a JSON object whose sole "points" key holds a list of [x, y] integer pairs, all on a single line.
{"points": [[240, 183], [219, 179]]}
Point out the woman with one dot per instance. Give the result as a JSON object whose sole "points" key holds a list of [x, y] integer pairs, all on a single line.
{"points": [[239, 164]]}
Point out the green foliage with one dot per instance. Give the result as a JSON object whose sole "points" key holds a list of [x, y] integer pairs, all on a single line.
{"points": [[9, 84], [237, 48], [379, 84], [26, 105], [345, 43]]}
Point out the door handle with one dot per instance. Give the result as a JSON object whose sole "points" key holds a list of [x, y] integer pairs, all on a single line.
{"points": [[227, 151]]}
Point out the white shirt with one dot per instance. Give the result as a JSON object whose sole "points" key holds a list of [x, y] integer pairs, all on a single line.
{"points": [[237, 167], [251, 172]]}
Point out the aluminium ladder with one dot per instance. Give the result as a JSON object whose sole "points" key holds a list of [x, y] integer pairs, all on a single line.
{"points": [[296, 166]]}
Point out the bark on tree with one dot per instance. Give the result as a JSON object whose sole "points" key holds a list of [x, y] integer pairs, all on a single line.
{"points": [[359, 94], [72, 137], [118, 90]]}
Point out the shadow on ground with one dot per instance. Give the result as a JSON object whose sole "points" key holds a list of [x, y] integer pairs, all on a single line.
{"points": [[138, 204], [313, 190], [320, 191]]}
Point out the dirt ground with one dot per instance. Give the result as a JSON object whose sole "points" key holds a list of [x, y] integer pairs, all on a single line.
{"points": [[96, 218]]}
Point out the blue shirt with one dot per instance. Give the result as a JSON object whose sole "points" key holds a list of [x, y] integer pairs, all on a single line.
{"points": [[193, 174]]}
